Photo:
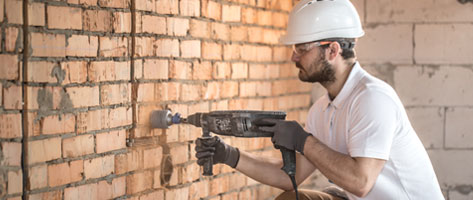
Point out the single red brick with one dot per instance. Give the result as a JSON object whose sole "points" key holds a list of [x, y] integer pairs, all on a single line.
{"points": [[38, 177], [138, 65], [212, 10], [155, 69], [146, 92], [180, 69], [190, 8], [199, 29], [221, 70], [279, 19], [239, 70], [128, 162], [152, 157], [88, 2], [219, 31], [120, 116], [167, 47], [76, 71], [13, 39], [11, 154], [248, 89], [257, 34], [153, 24], [231, 13], [114, 3], [190, 49], [82, 46], [77, 94], [179, 153], [229, 89], [239, 33], [13, 10], [2, 4], [97, 20], [91, 120], [113, 140], [12, 97], [1, 94], [178, 193], [42, 72], [121, 22], [78, 146], [190, 92], [153, 195], [263, 89], [139, 182], [105, 188], [249, 15], [177, 26], [89, 191], [113, 46], [118, 187], [15, 182], [145, 5], [202, 70], [167, 6], [232, 51], [48, 45], [264, 18], [99, 167], [144, 46], [64, 173], [53, 195], [211, 50], [115, 94], [9, 68], [55, 124], [212, 91], [57, 19], [10, 125]]}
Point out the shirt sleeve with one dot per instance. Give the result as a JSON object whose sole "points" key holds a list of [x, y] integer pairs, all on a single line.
{"points": [[372, 127]]}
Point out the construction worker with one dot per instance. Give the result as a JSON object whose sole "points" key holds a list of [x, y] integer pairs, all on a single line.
{"points": [[358, 135]]}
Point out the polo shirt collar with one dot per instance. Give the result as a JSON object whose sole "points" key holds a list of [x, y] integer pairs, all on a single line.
{"points": [[353, 78]]}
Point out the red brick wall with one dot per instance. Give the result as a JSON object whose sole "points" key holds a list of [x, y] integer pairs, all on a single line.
{"points": [[79, 89]]}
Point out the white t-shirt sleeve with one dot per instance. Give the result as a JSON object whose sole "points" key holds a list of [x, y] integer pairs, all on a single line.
{"points": [[372, 119]]}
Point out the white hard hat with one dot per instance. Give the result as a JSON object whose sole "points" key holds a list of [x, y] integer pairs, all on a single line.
{"points": [[312, 20]]}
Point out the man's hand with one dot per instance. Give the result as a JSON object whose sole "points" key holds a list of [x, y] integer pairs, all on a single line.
{"points": [[288, 134], [221, 152]]}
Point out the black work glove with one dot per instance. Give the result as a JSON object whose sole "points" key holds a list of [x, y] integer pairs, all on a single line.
{"points": [[221, 152], [287, 134]]}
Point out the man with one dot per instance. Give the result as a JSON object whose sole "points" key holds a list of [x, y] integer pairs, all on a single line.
{"points": [[358, 135]]}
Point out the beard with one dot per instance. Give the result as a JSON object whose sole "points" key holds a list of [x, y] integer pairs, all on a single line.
{"points": [[325, 74]]}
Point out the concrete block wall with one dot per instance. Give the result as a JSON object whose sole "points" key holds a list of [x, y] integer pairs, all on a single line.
{"points": [[423, 49], [79, 79]]}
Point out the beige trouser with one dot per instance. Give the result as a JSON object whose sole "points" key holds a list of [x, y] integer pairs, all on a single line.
{"points": [[307, 195]]}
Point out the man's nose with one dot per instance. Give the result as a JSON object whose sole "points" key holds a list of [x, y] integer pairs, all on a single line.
{"points": [[295, 57]]}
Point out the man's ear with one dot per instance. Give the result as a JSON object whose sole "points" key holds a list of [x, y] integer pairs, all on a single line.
{"points": [[334, 50]]}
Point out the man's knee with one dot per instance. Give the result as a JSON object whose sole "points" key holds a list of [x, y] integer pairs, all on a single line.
{"points": [[306, 195], [286, 195]]}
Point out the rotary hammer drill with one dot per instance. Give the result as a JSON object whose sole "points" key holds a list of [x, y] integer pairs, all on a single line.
{"points": [[238, 123]]}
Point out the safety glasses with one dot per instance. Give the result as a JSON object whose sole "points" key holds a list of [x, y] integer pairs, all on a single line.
{"points": [[301, 49]]}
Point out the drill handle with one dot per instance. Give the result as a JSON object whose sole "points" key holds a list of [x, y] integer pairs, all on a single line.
{"points": [[208, 165], [289, 161]]}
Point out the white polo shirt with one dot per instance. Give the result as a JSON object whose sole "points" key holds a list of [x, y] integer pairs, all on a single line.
{"points": [[367, 119]]}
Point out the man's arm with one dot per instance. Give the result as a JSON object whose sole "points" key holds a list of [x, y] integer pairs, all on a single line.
{"points": [[268, 170], [355, 175]]}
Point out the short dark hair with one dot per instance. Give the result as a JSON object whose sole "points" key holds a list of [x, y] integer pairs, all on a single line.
{"points": [[349, 44]]}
